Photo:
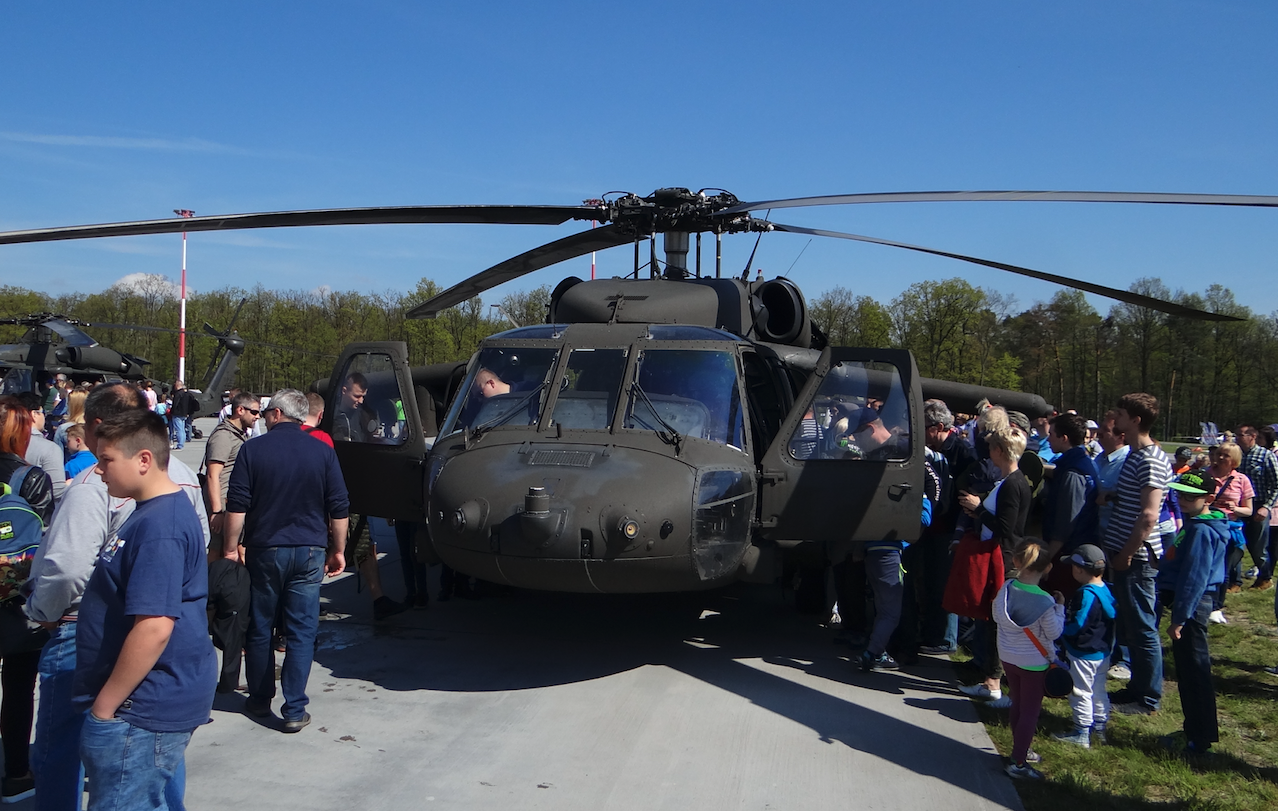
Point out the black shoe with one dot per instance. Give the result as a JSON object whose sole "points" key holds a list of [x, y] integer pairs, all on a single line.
{"points": [[883, 661], [296, 724], [257, 709], [936, 650], [384, 607], [421, 600], [17, 789], [1123, 696]]}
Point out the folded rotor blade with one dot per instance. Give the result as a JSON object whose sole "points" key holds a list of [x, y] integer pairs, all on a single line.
{"points": [[385, 215], [1264, 201], [596, 239], [1100, 290]]}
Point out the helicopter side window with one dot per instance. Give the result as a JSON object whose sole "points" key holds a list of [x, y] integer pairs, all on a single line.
{"points": [[506, 386], [692, 391], [588, 390], [368, 407], [860, 412]]}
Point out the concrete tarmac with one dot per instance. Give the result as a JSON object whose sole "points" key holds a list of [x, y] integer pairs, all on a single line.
{"points": [[528, 700]]}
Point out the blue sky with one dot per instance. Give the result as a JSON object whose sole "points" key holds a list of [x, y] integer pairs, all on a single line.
{"points": [[115, 111]]}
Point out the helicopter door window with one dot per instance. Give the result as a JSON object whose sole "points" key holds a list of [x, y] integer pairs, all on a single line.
{"points": [[588, 390], [368, 406], [506, 386], [860, 412], [692, 391]]}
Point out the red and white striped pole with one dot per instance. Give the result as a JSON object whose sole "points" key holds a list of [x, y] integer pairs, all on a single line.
{"points": [[181, 375]]}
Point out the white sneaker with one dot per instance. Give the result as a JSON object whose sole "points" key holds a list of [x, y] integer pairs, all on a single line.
{"points": [[1217, 617], [1121, 672]]}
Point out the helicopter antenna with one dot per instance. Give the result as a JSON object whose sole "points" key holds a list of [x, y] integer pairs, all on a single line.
{"points": [[745, 277], [797, 258]]}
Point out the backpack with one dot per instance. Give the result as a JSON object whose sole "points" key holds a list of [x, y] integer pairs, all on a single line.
{"points": [[20, 533]]}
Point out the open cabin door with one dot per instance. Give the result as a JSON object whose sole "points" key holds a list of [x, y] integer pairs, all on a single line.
{"points": [[847, 464], [371, 413]]}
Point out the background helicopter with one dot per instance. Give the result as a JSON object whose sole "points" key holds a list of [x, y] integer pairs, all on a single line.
{"points": [[56, 344], [673, 432]]}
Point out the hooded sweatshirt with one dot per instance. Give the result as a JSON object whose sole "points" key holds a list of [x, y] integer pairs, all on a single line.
{"points": [[1195, 563], [1090, 623], [1070, 514], [1019, 606]]}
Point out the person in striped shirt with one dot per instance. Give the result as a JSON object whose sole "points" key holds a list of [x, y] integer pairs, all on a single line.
{"points": [[1260, 466], [1134, 546]]}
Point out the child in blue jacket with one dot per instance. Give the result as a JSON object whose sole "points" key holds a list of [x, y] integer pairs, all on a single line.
{"points": [[1191, 571], [1089, 641]]}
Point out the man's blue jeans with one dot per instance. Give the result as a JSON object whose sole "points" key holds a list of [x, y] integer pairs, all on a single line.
{"points": [[1257, 535], [287, 579], [1138, 628], [55, 755], [130, 768]]}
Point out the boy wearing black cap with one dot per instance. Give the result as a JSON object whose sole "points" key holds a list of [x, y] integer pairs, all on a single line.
{"points": [[1191, 571], [1089, 641]]}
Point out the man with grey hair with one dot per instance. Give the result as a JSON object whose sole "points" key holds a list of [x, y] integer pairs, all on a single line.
{"points": [[290, 514]]}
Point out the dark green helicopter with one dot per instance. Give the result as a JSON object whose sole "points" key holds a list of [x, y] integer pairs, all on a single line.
{"points": [[55, 344], [671, 431]]}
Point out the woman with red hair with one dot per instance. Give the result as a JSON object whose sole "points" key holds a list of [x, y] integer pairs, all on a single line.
{"points": [[19, 666], [15, 436]]}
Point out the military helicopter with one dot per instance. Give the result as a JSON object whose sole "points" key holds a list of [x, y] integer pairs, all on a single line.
{"points": [[55, 344], [676, 432]]}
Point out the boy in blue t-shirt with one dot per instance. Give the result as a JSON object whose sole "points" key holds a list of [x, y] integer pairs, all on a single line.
{"points": [[79, 456], [1192, 570], [1089, 641], [145, 667]]}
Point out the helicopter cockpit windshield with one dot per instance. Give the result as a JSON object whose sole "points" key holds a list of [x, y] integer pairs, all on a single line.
{"points": [[505, 387], [692, 391]]}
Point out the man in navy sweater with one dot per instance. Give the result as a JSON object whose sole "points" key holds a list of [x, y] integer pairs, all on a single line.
{"points": [[287, 493]]}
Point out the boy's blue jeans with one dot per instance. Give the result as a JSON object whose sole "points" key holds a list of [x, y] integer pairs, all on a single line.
{"points": [[130, 768]]}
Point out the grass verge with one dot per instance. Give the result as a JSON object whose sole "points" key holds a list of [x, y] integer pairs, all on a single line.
{"points": [[1134, 772]]}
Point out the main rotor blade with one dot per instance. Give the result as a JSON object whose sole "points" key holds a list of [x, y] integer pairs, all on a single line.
{"points": [[1263, 201], [383, 215], [1126, 296], [596, 239]]}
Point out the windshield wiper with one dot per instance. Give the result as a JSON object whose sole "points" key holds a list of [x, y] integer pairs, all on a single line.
{"points": [[501, 419], [673, 437]]}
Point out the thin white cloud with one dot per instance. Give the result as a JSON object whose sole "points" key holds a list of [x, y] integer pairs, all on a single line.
{"points": [[110, 142]]}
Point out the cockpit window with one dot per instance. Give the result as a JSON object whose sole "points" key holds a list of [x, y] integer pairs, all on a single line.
{"points": [[506, 387], [687, 392], [860, 412], [368, 407], [589, 388]]}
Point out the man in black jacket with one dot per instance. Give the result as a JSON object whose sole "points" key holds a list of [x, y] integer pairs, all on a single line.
{"points": [[184, 407]]}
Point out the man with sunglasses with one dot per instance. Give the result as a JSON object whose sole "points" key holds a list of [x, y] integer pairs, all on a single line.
{"points": [[219, 457]]}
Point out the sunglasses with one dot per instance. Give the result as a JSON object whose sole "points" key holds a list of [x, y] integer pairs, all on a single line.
{"points": [[254, 411]]}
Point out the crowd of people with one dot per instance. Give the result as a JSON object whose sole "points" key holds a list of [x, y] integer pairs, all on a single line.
{"points": [[1059, 544], [1049, 546], [138, 566]]}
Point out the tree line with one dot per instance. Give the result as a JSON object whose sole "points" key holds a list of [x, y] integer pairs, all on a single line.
{"points": [[1063, 349], [1072, 355]]}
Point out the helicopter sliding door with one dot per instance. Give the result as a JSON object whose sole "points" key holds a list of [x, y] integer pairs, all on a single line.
{"points": [[372, 415], [847, 463]]}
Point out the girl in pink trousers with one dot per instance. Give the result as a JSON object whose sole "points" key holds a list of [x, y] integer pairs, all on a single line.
{"points": [[1025, 613]]}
